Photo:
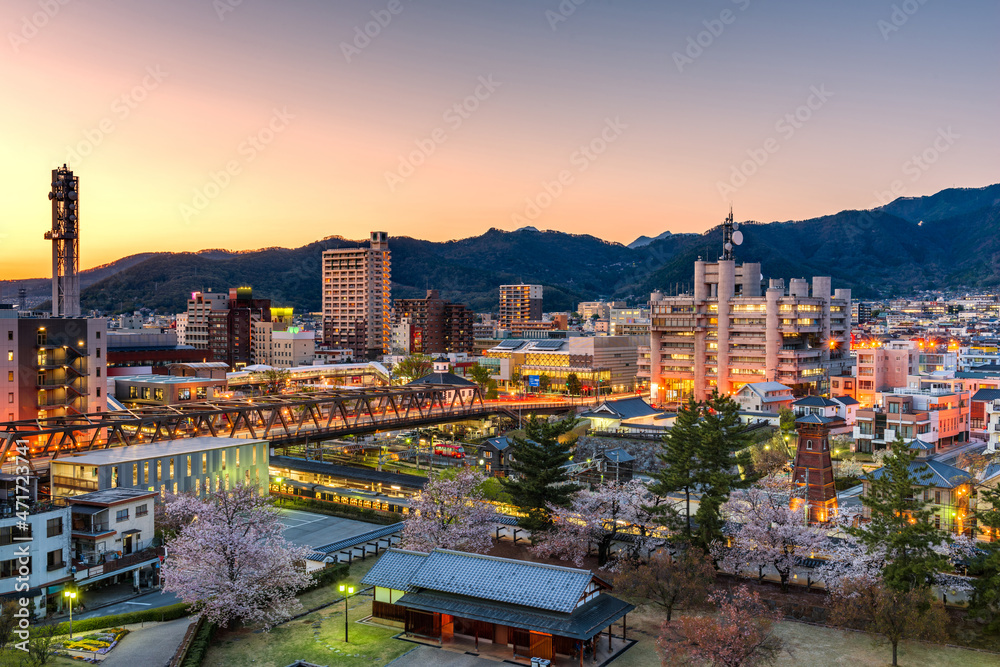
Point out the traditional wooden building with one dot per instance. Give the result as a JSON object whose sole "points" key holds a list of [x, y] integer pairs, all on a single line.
{"points": [[533, 610]]}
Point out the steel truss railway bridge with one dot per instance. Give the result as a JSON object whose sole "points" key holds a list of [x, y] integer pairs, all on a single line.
{"points": [[282, 419]]}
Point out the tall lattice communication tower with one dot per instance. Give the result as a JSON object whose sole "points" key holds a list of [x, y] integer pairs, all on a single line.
{"points": [[65, 237]]}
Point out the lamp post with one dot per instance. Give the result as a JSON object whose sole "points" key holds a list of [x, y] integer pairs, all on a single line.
{"points": [[347, 591], [70, 595]]}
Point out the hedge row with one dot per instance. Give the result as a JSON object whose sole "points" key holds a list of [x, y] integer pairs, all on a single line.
{"points": [[199, 645], [147, 615], [329, 575], [343, 511]]}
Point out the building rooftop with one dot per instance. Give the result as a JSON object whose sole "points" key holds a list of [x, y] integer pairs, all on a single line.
{"points": [[815, 402], [942, 475], [164, 448], [153, 378], [110, 496], [623, 408], [534, 585], [443, 378]]}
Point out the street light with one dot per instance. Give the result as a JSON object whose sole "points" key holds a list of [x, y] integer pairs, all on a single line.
{"points": [[347, 591], [70, 595]]}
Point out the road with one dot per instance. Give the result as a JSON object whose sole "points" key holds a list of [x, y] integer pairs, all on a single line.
{"points": [[146, 601]]}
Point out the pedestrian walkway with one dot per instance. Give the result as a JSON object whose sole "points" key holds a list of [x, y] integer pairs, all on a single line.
{"points": [[152, 644]]}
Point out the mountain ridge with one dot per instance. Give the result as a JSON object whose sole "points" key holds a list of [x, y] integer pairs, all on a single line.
{"points": [[948, 239]]}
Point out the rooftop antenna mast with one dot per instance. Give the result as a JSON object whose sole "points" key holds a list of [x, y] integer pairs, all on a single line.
{"points": [[731, 236]]}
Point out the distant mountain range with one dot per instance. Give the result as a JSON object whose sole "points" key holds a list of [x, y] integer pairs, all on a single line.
{"points": [[944, 241]]}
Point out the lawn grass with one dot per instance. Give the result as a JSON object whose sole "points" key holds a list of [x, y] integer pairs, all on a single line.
{"points": [[814, 645], [297, 640]]}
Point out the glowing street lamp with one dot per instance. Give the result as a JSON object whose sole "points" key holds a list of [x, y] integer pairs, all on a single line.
{"points": [[70, 595], [348, 591]]}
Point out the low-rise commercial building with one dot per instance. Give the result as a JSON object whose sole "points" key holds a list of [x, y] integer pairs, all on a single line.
{"points": [[165, 389], [188, 465]]}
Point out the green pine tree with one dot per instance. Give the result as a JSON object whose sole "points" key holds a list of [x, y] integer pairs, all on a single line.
{"points": [[723, 450], [986, 594], [679, 455], [901, 521], [536, 477]]}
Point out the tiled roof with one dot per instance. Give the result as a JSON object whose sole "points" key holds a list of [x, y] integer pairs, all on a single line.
{"points": [[989, 472], [814, 419], [380, 532], [443, 378], [618, 455], [499, 443], [761, 388], [942, 475], [624, 408], [917, 443], [536, 585], [395, 569], [814, 401], [846, 400], [986, 395], [503, 580]]}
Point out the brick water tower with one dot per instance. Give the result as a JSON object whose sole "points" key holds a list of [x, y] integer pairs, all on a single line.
{"points": [[813, 474]]}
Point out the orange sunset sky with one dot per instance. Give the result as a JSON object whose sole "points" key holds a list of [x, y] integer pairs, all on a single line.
{"points": [[147, 100]]}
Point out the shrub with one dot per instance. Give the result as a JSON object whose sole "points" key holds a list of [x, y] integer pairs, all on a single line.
{"points": [[199, 645], [328, 576], [146, 615]]}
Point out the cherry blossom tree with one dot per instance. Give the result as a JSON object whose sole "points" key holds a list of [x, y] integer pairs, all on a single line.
{"points": [[667, 580], [740, 635], [451, 513], [765, 532], [230, 560], [611, 513]]}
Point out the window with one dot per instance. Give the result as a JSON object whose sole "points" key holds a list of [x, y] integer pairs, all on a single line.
{"points": [[10, 335], [122, 515], [98, 371], [135, 474], [488, 454], [237, 458], [809, 444], [204, 463], [98, 353], [223, 460], [98, 335], [9, 568], [159, 469], [114, 476], [54, 560], [172, 469], [175, 488], [189, 465], [937, 497], [42, 337], [10, 397], [53, 527], [10, 376], [200, 392], [141, 510], [937, 521], [11, 534], [98, 392], [10, 355], [158, 394], [254, 454], [184, 394]]}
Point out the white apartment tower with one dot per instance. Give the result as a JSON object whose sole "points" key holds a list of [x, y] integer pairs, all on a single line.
{"points": [[356, 298]]}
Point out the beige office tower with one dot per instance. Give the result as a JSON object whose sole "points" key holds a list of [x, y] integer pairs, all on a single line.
{"points": [[520, 303], [730, 332], [356, 298]]}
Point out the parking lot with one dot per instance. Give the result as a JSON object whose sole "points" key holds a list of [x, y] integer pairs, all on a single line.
{"points": [[315, 530]]}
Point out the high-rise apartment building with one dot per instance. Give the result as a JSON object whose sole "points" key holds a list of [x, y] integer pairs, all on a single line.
{"points": [[520, 303], [730, 333], [356, 295], [228, 325], [51, 367], [436, 326]]}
